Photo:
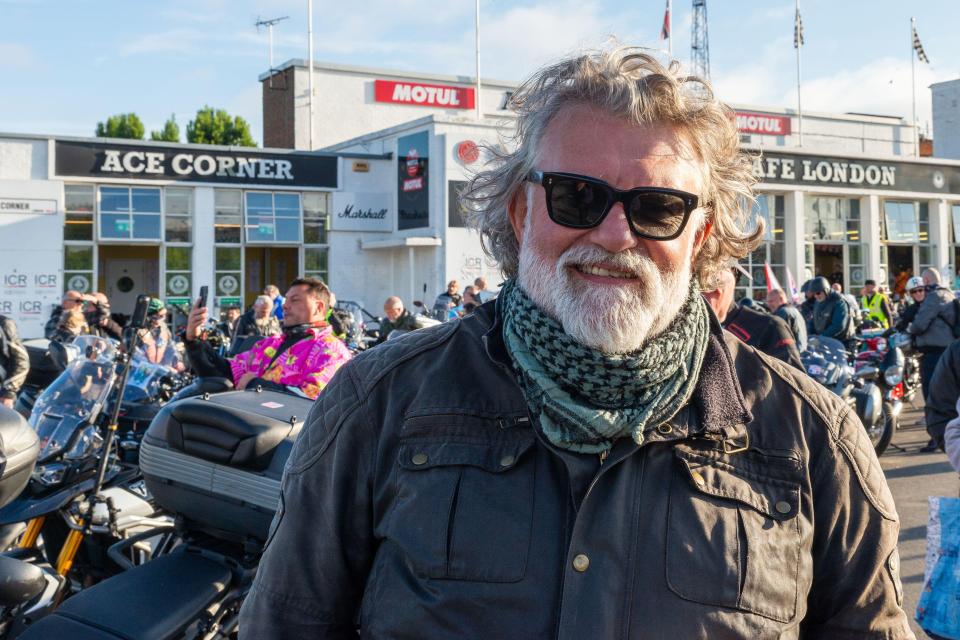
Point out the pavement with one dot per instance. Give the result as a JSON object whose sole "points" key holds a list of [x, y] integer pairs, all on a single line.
{"points": [[913, 477]]}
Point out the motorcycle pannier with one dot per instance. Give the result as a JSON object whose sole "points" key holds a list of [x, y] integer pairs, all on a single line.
{"points": [[217, 460], [19, 448]]}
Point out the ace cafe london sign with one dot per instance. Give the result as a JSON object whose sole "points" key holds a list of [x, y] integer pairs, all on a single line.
{"points": [[424, 95]]}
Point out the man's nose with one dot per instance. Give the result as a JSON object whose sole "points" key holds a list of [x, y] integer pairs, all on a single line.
{"points": [[614, 233]]}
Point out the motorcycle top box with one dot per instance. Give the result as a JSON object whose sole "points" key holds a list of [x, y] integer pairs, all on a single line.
{"points": [[217, 460], [19, 449]]}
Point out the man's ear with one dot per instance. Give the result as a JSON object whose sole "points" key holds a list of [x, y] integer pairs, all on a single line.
{"points": [[517, 212]]}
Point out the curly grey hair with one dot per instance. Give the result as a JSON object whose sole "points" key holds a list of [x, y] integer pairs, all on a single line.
{"points": [[627, 83]]}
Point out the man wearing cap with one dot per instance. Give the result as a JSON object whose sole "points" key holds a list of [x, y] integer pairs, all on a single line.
{"points": [[591, 455], [876, 305]]}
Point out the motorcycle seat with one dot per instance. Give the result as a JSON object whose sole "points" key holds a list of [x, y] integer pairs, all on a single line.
{"points": [[154, 601]]}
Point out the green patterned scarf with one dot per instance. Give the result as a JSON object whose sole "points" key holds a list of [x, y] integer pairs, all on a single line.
{"points": [[585, 399]]}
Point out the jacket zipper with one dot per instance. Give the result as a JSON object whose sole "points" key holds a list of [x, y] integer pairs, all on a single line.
{"points": [[603, 456]]}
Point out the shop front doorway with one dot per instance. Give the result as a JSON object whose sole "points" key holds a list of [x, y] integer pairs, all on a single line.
{"points": [[900, 267], [828, 262], [269, 265], [126, 272]]}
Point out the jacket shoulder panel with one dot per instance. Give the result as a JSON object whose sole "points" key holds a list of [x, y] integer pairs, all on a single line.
{"points": [[372, 365], [843, 428]]}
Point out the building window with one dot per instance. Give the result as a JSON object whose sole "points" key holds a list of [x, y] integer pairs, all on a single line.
{"points": [[770, 208], [229, 276], [316, 217], [273, 217], [831, 219], [78, 267], [178, 214], [315, 262], [78, 207], [902, 222], [129, 213], [227, 216], [179, 281]]}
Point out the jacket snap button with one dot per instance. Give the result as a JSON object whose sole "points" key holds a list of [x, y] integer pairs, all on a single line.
{"points": [[698, 479], [783, 507], [419, 459], [665, 429], [507, 461], [581, 562]]}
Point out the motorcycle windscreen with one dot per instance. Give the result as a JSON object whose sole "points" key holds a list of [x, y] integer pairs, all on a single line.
{"points": [[824, 359], [143, 384], [76, 397]]}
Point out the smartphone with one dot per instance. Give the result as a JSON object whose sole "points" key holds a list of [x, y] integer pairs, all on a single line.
{"points": [[139, 318], [203, 296]]}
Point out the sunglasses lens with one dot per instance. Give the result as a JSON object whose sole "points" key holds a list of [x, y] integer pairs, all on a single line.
{"points": [[657, 214], [576, 203]]}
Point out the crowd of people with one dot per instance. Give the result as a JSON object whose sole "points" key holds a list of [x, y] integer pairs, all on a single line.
{"points": [[929, 315]]}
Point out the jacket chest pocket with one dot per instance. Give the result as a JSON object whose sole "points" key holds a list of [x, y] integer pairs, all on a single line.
{"points": [[464, 509], [733, 535]]}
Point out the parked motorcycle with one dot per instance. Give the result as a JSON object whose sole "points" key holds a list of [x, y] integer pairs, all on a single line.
{"points": [[889, 359], [215, 462], [827, 361], [81, 497]]}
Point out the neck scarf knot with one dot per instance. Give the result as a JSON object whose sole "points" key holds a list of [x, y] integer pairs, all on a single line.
{"points": [[585, 399]]}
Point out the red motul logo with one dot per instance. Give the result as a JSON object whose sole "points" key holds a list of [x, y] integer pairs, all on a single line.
{"points": [[426, 95], [763, 124]]}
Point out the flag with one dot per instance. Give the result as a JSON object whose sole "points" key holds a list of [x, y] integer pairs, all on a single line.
{"points": [[921, 54], [797, 31], [772, 282], [792, 285], [665, 30]]}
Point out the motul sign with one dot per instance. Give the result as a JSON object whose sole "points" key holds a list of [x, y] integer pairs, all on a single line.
{"points": [[763, 124], [424, 95]]}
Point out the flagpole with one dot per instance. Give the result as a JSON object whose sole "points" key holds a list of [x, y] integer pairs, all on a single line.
{"points": [[670, 28], [913, 81], [477, 25], [798, 37]]}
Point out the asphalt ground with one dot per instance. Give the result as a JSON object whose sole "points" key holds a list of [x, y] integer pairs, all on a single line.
{"points": [[913, 477]]}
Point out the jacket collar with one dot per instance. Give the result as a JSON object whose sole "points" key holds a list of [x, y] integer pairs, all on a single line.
{"points": [[717, 409]]}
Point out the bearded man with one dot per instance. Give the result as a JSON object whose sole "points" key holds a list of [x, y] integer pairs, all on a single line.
{"points": [[590, 456]]}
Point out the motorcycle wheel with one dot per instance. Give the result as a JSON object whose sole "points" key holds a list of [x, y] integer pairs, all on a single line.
{"points": [[889, 428]]}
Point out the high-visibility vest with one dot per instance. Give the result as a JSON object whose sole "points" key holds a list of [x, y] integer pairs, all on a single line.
{"points": [[874, 309]]}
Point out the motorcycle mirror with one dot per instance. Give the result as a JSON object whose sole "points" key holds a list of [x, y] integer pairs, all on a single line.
{"points": [[139, 318]]}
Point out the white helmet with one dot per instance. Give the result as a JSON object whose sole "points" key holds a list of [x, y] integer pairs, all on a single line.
{"points": [[915, 282]]}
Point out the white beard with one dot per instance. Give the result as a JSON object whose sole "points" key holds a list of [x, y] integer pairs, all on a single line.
{"points": [[610, 319]]}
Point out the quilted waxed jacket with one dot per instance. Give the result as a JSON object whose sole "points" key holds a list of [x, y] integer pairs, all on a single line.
{"points": [[419, 502]]}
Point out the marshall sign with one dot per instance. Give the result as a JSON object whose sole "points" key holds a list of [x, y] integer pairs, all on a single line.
{"points": [[194, 164], [856, 173]]}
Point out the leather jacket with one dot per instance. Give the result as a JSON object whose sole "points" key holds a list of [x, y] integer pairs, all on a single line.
{"points": [[831, 317], [419, 502]]}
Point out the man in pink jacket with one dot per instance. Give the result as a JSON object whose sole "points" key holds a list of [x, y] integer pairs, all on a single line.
{"points": [[302, 359]]}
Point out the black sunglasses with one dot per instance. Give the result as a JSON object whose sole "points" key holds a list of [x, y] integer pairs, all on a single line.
{"points": [[582, 202]]}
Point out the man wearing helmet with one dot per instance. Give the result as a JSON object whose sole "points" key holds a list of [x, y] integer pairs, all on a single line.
{"points": [[831, 314], [932, 329]]}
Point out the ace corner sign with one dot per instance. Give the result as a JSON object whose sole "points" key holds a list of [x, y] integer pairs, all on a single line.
{"points": [[194, 164]]}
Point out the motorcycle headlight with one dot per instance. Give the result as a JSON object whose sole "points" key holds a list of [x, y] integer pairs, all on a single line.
{"points": [[50, 474], [87, 441], [893, 375]]}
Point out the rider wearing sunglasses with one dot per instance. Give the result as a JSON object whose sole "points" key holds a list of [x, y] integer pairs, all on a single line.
{"points": [[589, 456]]}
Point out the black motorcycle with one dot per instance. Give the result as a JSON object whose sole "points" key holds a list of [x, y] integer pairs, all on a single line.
{"points": [[827, 361], [215, 463]]}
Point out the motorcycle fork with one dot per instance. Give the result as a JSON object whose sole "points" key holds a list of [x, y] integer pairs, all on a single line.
{"points": [[69, 550], [29, 539]]}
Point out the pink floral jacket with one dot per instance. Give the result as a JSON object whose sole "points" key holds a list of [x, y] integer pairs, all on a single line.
{"points": [[308, 364]]}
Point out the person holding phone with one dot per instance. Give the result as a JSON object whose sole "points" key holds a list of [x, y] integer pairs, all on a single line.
{"points": [[302, 359]]}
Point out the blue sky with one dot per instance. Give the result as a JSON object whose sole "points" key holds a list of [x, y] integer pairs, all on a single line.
{"points": [[65, 64]]}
